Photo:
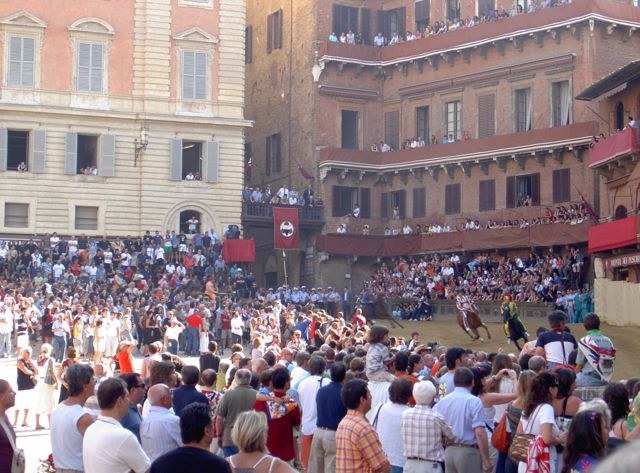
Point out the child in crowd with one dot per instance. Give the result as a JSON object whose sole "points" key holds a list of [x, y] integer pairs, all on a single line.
{"points": [[378, 356]]}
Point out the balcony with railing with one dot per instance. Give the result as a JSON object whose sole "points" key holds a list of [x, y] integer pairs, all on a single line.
{"points": [[569, 16], [624, 144], [262, 214]]}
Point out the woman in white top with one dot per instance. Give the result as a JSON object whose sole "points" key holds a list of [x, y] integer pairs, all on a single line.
{"points": [[538, 418], [387, 421]]}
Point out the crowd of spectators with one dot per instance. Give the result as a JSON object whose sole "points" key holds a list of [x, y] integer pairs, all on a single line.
{"points": [[535, 278], [440, 27], [284, 196], [360, 397], [571, 214]]}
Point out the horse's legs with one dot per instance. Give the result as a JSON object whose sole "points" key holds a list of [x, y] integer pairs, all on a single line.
{"points": [[487, 330], [517, 345]]}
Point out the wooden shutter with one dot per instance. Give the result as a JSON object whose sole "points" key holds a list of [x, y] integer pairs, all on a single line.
{"points": [[419, 202], [38, 151], [384, 205], [3, 149], [487, 194], [365, 202], [28, 62], [96, 68], [248, 44], [107, 156], [175, 164], [452, 199], [402, 20], [336, 21], [486, 115], [422, 10], [15, 61], [269, 33], [382, 24], [511, 192], [212, 150], [365, 25], [278, 152], [279, 16], [561, 185], [268, 158], [200, 74], [392, 129], [535, 189], [188, 74], [402, 203], [335, 203], [71, 154], [84, 67]]}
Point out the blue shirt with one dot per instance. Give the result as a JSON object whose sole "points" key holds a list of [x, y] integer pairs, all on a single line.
{"points": [[185, 395], [463, 412], [329, 406], [131, 421]]}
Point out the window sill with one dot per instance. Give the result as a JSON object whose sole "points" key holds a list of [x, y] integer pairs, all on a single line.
{"points": [[91, 178], [21, 95], [207, 5], [89, 101]]}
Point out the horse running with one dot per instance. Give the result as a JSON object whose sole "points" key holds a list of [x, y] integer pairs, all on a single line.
{"points": [[473, 322]]}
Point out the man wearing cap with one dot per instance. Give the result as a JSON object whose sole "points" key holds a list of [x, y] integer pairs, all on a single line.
{"points": [[422, 432]]}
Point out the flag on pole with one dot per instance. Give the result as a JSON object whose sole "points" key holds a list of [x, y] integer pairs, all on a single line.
{"points": [[285, 228]]}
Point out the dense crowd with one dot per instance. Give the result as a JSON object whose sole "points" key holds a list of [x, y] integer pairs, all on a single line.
{"points": [[441, 27], [553, 278], [284, 196], [302, 388]]}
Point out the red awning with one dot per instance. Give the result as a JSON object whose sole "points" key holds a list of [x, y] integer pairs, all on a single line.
{"points": [[616, 234]]}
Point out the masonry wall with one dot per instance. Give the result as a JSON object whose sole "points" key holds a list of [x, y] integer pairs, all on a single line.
{"points": [[144, 54]]}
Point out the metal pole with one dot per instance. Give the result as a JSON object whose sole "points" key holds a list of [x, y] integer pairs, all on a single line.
{"points": [[284, 264]]}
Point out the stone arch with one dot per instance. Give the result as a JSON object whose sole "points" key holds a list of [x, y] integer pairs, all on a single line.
{"points": [[208, 221]]}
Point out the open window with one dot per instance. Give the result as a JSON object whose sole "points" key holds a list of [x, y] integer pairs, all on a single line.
{"points": [[90, 155], [194, 160], [17, 150], [523, 190], [190, 221]]}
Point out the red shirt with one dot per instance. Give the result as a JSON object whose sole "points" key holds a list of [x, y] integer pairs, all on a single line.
{"points": [[280, 435], [125, 360], [225, 320], [194, 320]]}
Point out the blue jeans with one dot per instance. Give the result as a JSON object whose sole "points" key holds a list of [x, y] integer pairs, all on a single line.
{"points": [[173, 347], [59, 347], [229, 451], [396, 469], [191, 335], [584, 380], [5, 344]]}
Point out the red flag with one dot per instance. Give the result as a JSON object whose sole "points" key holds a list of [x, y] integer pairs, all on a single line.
{"points": [[305, 173], [285, 228]]}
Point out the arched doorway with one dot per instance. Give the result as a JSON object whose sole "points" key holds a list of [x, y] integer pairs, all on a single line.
{"points": [[619, 125], [621, 212], [190, 221]]}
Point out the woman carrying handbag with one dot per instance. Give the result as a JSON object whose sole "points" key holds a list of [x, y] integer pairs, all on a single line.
{"points": [[538, 420]]}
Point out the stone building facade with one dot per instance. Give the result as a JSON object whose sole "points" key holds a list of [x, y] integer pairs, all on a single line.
{"points": [[503, 90], [112, 108]]}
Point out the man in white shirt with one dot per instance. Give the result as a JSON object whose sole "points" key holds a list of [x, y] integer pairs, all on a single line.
{"points": [[160, 429], [58, 269], [108, 447], [307, 390]]}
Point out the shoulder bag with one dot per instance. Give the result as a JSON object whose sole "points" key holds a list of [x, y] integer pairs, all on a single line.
{"points": [[520, 444], [18, 462], [501, 436]]}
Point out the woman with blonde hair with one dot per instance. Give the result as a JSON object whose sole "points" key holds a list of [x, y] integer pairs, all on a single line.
{"points": [[250, 436], [47, 384]]}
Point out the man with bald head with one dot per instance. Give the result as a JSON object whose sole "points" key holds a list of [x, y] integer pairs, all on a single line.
{"points": [[160, 429]]}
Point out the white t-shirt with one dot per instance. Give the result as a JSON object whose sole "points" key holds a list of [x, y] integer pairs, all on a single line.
{"points": [[543, 414], [237, 326], [110, 448], [172, 332], [307, 391], [388, 428]]}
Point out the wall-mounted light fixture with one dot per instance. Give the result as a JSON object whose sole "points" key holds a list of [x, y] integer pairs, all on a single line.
{"points": [[141, 143]]}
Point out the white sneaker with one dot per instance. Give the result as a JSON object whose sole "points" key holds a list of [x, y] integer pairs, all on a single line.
{"points": [[509, 341]]}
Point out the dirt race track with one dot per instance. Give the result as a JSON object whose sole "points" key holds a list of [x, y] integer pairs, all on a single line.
{"points": [[447, 332]]}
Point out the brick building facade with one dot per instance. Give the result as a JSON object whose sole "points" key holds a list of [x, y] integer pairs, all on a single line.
{"points": [[503, 90], [108, 107]]}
